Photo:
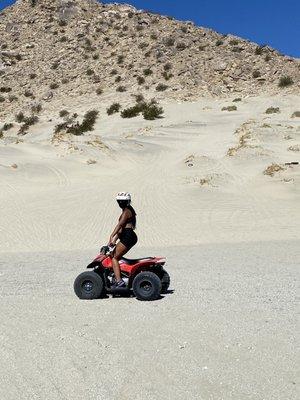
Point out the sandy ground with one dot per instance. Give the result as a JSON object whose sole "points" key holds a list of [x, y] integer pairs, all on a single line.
{"points": [[230, 233], [226, 332]]}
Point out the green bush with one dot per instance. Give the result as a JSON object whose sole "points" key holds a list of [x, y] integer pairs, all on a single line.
{"points": [[219, 42], [118, 79], [36, 108], [229, 108], [32, 76], [256, 73], [28, 93], [5, 89], [237, 99], [161, 87], [259, 50], [63, 113], [54, 85], [140, 80], [272, 110], [152, 112], [234, 42], [285, 81], [167, 75], [87, 124], [168, 67], [181, 46], [20, 117], [2, 99], [27, 122], [90, 72], [7, 126], [148, 71], [121, 89], [132, 112], [114, 108], [99, 91]]}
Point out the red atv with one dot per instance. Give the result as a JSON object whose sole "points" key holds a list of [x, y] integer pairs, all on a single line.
{"points": [[146, 277]]}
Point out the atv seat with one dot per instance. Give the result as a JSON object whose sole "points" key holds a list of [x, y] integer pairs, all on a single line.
{"points": [[135, 261]]}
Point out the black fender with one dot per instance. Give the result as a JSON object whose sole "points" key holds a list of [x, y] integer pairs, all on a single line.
{"points": [[95, 264]]}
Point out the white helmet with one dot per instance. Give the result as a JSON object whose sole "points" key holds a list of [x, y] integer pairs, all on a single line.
{"points": [[124, 196]]}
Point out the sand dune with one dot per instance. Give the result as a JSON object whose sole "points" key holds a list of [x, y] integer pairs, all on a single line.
{"points": [[214, 195]]}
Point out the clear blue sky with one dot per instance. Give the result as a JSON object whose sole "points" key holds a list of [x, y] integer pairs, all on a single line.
{"points": [[273, 22]]}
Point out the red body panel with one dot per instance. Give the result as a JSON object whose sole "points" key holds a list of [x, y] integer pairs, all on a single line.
{"points": [[129, 268]]}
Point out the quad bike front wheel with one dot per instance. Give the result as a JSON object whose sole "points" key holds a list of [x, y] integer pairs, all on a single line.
{"points": [[89, 285], [147, 286]]}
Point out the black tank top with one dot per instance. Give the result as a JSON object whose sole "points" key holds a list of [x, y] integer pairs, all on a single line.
{"points": [[132, 219]]}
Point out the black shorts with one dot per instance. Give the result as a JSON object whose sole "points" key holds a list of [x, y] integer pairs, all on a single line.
{"points": [[128, 238]]}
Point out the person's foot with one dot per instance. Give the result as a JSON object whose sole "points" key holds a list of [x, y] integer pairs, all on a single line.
{"points": [[120, 284]]}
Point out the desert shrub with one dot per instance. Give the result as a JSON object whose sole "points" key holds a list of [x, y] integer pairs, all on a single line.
{"points": [[20, 117], [237, 49], [143, 45], [7, 126], [152, 112], [161, 87], [285, 81], [36, 108], [5, 89], [32, 76], [153, 36], [140, 80], [268, 57], [121, 89], [63, 39], [234, 42], [120, 59], [229, 108], [256, 73], [33, 3], [167, 75], [90, 72], [147, 54], [113, 72], [27, 122], [181, 46], [139, 98], [296, 114], [114, 108], [2, 99], [95, 56], [63, 113], [55, 65], [272, 169], [87, 124], [65, 81], [259, 50], [99, 91], [148, 71], [237, 99], [170, 41], [12, 98], [54, 85], [184, 29], [28, 93], [18, 57], [118, 79], [168, 66], [130, 112], [62, 22], [272, 110], [219, 42], [202, 47]]}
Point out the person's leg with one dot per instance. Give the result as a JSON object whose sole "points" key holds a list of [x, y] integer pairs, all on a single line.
{"points": [[120, 250]]}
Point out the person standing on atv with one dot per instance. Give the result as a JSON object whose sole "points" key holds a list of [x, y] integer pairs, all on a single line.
{"points": [[124, 231]]}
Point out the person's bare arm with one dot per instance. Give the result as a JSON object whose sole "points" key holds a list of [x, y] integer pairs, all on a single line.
{"points": [[116, 232]]}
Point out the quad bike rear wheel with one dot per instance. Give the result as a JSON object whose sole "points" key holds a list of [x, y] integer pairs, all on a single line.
{"points": [[165, 281], [89, 285], [147, 286]]}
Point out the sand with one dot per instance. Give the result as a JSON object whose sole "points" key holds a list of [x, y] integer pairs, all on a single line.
{"points": [[230, 233]]}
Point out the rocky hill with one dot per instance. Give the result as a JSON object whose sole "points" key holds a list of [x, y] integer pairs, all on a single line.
{"points": [[58, 49]]}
